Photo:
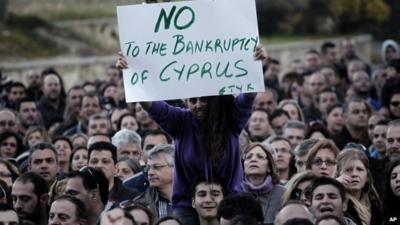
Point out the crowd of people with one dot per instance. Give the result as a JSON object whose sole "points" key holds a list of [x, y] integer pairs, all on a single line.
{"points": [[321, 145]]}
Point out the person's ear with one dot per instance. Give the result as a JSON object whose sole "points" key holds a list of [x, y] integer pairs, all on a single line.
{"points": [[82, 222], [193, 205], [115, 170], [187, 102], [345, 203], [44, 199], [94, 194]]}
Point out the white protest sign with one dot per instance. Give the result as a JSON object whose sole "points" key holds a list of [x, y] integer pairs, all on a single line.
{"points": [[189, 49]]}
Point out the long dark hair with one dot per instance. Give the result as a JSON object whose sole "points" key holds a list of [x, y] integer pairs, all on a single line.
{"points": [[390, 201], [7, 134], [218, 124]]}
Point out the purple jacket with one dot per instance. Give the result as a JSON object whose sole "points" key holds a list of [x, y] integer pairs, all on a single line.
{"points": [[190, 158]]}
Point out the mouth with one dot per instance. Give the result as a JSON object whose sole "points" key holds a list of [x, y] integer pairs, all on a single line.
{"points": [[355, 182], [325, 174], [326, 210], [256, 128], [44, 174], [152, 180], [253, 166], [280, 161], [209, 206], [80, 165], [22, 214]]}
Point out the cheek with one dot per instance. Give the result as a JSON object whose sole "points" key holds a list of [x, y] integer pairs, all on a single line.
{"points": [[393, 186]]}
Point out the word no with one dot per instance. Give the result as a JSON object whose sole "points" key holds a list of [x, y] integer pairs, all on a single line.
{"points": [[167, 19]]}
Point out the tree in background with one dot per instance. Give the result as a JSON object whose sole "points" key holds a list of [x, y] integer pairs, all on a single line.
{"points": [[360, 14], [3, 10], [316, 16]]}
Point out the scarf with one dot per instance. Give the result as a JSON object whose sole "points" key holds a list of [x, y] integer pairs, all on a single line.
{"points": [[265, 187]]}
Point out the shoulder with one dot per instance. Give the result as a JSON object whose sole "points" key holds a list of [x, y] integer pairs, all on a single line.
{"points": [[279, 189]]}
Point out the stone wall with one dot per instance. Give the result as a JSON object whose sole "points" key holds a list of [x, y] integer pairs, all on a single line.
{"points": [[78, 70]]}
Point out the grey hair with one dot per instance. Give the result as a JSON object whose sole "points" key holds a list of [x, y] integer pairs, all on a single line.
{"points": [[100, 116], [326, 78], [357, 62], [167, 149], [275, 138], [126, 136], [295, 124], [394, 123], [267, 144], [303, 148]]}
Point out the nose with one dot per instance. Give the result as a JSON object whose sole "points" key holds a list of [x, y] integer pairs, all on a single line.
{"points": [[353, 174], [99, 166], [209, 198], [198, 103], [303, 198], [54, 221], [17, 205], [253, 159]]}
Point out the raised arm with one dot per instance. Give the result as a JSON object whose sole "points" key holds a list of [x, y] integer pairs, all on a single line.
{"points": [[259, 54]]}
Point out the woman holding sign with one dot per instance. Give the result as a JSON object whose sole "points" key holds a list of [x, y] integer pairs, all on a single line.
{"points": [[206, 141]]}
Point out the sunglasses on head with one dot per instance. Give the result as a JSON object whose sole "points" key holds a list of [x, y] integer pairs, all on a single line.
{"points": [[90, 170], [131, 202]]}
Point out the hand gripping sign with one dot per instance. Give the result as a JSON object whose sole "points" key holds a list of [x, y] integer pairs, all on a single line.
{"points": [[189, 49]]}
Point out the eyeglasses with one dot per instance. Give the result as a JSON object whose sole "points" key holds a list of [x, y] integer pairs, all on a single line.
{"points": [[89, 170], [258, 156], [395, 103], [297, 192], [131, 202], [319, 162], [154, 167]]}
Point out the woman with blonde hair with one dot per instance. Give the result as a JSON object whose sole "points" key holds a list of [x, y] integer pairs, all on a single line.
{"points": [[364, 206], [8, 172], [35, 135], [298, 187], [293, 109], [261, 179], [321, 158]]}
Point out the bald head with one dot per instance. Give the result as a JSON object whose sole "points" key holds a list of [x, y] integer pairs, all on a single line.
{"points": [[51, 87], [8, 121], [291, 211]]}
